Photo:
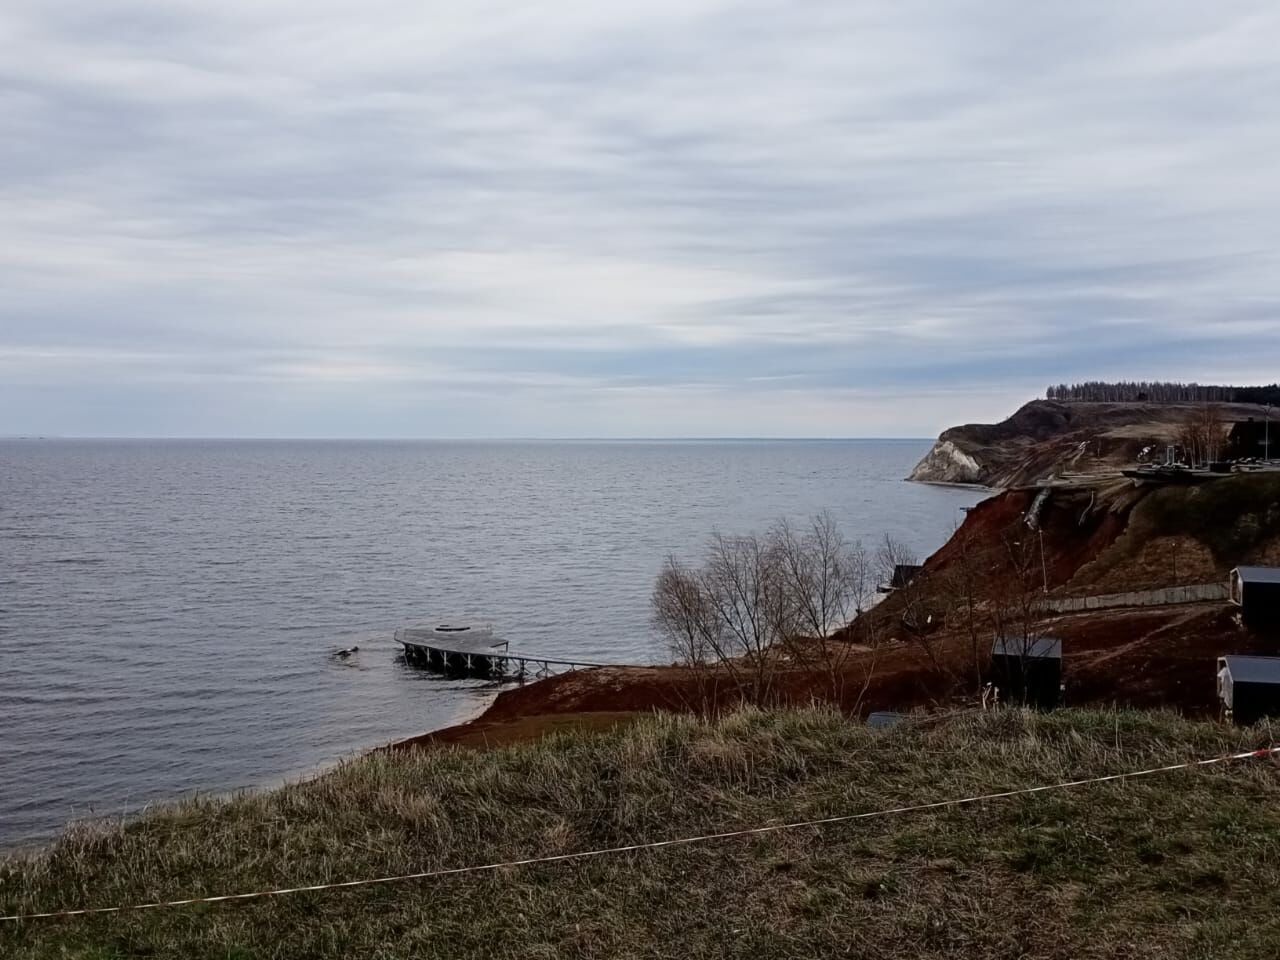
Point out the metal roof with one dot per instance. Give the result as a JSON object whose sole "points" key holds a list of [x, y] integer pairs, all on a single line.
{"points": [[1038, 647], [1253, 669], [456, 638], [1258, 574]]}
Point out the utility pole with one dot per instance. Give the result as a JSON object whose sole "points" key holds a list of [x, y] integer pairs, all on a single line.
{"points": [[1266, 433], [1044, 567]]}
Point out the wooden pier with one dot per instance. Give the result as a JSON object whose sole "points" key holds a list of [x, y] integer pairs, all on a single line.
{"points": [[474, 652]]}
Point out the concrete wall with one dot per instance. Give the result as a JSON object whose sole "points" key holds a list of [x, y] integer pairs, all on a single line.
{"points": [[1193, 593]]}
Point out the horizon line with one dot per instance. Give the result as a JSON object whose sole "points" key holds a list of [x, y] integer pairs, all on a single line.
{"points": [[495, 439]]}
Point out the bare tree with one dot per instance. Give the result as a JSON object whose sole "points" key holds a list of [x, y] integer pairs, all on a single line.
{"points": [[966, 587], [827, 582], [683, 614], [759, 604], [1213, 431], [728, 617], [1016, 598], [744, 592]]}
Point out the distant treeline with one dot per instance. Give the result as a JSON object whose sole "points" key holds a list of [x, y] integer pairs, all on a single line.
{"points": [[1098, 392]]}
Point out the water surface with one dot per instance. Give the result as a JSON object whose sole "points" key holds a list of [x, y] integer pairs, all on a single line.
{"points": [[167, 607]]}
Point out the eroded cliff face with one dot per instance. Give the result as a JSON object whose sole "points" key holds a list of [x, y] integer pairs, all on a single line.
{"points": [[1047, 438], [947, 463], [1113, 537], [995, 454]]}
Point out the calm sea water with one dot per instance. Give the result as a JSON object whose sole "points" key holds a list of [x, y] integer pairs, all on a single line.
{"points": [[167, 608]]}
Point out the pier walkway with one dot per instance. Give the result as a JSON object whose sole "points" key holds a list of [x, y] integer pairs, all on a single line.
{"points": [[475, 652]]}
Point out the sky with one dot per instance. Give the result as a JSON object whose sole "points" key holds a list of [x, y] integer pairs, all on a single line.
{"points": [[399, 218]]}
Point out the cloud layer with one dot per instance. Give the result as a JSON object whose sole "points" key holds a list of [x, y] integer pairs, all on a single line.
{"points": [[269, 217]]}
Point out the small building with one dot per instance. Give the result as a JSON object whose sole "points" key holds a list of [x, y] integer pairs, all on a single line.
{"points": [[903, 574], [1027, 670], [1256, 590], [1251, 438], [1248, 688]]}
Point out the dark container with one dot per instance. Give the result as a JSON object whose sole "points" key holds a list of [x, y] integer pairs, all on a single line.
{"points": [[1256, 590], [1249, 688], [1027, 671]]}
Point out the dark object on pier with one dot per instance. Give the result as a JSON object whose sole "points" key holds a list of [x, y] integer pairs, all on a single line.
{"points": [[1256, 591], [1248, 688], [1027, 670]]}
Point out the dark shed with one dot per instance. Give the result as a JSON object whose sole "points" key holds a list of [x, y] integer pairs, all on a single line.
{"points": [[1027, 670], [903, 574], [1257, 592], [1249, 438], [1249, 688]]}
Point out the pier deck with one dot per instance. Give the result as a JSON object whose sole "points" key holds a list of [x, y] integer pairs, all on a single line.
{"points": [[476, 652]]}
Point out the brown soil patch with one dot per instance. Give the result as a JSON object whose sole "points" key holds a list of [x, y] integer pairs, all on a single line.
{"points": [[1153, 657], [1162, 657]]}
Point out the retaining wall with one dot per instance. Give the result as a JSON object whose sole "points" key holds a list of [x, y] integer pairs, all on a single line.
{"points": [[1192, 593]]}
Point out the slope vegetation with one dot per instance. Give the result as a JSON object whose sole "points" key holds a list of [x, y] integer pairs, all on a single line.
{"points": [[1185, 864], [1121, 536]]}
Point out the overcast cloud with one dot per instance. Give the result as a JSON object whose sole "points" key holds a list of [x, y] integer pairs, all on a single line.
{"points": [[704, 217]]}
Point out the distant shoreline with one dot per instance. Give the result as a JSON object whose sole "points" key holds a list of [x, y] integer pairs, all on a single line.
{"points": [[459, 440]]}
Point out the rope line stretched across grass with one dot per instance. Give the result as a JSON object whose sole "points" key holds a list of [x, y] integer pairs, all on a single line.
{"points": [[651, 845]]}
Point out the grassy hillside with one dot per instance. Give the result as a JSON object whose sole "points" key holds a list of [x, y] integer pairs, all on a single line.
{"points": [[1182, 865], [1118, 536], [1234, 517], [1186, 534]]}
